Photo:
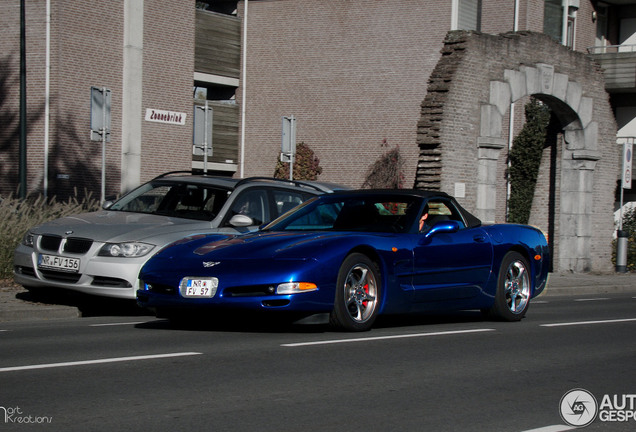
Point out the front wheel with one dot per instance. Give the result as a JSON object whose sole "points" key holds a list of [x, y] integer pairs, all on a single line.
{"points": [[357, 300], [513, 289]]}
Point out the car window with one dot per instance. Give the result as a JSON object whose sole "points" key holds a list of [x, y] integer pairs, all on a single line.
{"points": [[372, 214], [183, 200], [252, 203], [438, 210], [286, 200]]}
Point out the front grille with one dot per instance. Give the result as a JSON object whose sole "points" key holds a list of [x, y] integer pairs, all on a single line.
{"points": [[162, 289], [77, 245], [110, 282], [60, 276], [74, 245], [50, 242], [249, 291]]}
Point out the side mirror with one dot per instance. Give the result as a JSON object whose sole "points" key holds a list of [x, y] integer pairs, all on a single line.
{"points": [[240, 220], [449, 226], [107, 204]]}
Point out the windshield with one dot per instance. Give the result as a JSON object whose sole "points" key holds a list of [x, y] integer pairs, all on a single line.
{"points": [[182, 200], [372, 214]]}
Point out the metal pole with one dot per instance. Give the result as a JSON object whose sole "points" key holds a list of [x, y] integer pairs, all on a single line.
{"points": [[206, 138], [292, 146], [22, 167], [622, 236], [103, 197]]}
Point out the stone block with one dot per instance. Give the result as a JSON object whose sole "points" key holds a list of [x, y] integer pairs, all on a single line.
{"points": [[573, 95], [560, 86], [517, 81], [546, 78], [585, 110], [500, 96], [491, 121]]}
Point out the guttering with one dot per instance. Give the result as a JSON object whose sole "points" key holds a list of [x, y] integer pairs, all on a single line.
{"points": [[243, 86]]}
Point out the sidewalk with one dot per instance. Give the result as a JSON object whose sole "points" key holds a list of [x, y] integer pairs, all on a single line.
{"points": [[17, 304]]}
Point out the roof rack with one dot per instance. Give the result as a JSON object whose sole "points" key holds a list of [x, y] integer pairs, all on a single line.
{"points": [[183, 172], [296, 183], [171, 173]]}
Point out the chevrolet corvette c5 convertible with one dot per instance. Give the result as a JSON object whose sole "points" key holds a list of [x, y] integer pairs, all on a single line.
{"points": [[355, 255]]}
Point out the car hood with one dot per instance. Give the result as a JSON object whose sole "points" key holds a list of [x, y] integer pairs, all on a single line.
{"points": [[112, 226], [258, 245]]}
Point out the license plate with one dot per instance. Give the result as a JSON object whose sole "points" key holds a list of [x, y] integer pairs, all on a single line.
{"points": [[60, 263], [204, 287]]}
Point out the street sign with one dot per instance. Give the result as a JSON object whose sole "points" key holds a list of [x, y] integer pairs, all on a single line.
{"points": [[100, 113], [202, 137], [288, 144], [628, 153]]}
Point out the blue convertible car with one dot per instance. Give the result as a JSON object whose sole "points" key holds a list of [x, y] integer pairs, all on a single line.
{"points": [[355, 255]]}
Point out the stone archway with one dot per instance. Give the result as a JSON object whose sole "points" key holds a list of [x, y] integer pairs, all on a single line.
{"points": [[464, 117]]}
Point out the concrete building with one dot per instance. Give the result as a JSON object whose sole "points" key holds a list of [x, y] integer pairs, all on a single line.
{"points": [[360, 77]]}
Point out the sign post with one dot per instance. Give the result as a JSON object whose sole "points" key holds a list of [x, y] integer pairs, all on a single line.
{"points": [[100, 125], [203, 120], [288, 145], [626, 183]]}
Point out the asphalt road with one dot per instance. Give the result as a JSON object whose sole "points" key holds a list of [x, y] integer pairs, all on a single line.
{"points": [[454, 372]]}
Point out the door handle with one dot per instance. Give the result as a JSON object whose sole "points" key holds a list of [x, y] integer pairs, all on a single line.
{"points": [[479, 238]]}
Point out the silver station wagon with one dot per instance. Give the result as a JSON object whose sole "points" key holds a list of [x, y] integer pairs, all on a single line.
{"points": [[101, 252]]}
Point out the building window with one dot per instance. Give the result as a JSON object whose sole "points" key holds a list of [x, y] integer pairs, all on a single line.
{"points": [[559, 21], [466, 15], [553, 19]]}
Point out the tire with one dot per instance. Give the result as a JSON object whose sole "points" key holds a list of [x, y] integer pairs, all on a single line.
{"points": [[512, 298], [357, 299]]}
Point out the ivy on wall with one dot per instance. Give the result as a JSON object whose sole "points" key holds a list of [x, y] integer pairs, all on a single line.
{"points": [[306, 165], [525, 160]]}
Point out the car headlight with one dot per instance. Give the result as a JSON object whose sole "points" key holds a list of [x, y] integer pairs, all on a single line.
{"points": [[295, 287], [28, 239], [126, 250]]}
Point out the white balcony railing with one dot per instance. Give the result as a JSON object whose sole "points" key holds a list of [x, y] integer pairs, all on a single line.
{"points": [[611, 49]]}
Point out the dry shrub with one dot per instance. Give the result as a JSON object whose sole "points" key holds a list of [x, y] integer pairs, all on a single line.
{"points": [[18, 215]]}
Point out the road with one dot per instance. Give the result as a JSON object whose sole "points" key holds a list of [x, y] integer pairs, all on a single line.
{"points": [[455, 372]]}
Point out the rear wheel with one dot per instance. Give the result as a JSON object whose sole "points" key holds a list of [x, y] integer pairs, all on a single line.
{"points": [[513, 288], [357, 300]]}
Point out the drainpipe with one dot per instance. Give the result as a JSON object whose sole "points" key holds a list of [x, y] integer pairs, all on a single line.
{"points": [[511, 124], [243, 85], [47, 93], [22, 161]]}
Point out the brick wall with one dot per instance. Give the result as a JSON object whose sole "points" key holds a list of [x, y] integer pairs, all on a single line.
{"points": [[168, 80], [353, 73], [86, 50]]}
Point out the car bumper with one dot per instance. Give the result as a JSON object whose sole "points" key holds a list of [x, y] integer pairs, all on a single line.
{"points": [[109, 277], [314, 302]]}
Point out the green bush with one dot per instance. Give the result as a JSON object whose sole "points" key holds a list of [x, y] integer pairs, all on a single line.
{"points": [[629, 225], [19, 215]]}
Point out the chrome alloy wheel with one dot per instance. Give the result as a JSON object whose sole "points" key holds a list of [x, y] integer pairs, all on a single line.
{"points": [[360, 293], [517, 287]]}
